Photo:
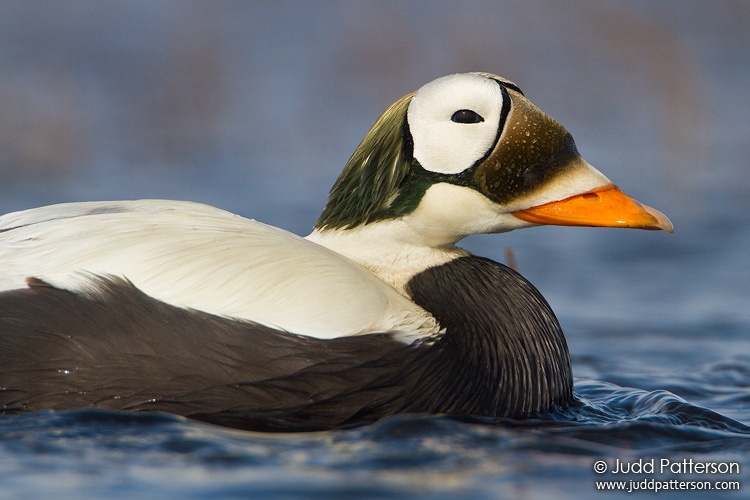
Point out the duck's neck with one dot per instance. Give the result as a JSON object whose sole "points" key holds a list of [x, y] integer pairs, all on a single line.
{"points": [[502, 352], [389, 249]]}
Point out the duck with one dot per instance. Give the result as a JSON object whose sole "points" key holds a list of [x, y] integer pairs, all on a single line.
{"points": [[184, 308]]}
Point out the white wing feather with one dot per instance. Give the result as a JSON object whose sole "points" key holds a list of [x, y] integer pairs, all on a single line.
{"points": [[196, 256]]}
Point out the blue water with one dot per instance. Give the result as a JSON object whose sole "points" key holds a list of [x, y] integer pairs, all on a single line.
{"points": [[255, 107], [96, 454]]}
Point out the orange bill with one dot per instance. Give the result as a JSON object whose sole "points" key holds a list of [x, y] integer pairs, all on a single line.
{"points": [[606, 206]]}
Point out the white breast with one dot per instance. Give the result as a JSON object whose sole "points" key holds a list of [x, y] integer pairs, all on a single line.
{"points": [[196, 256]]}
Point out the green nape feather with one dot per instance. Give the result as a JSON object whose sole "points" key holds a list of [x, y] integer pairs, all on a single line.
{"points": [[369, 184]]}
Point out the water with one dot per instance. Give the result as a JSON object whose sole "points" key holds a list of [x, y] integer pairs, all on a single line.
{"points": [[256, 107], [93, 454]]}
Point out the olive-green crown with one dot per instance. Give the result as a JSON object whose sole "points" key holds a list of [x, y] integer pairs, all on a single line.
{"points": [[369, 185]]}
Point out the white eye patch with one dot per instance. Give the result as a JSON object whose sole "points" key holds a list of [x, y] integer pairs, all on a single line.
{"points": [[455, 121]]}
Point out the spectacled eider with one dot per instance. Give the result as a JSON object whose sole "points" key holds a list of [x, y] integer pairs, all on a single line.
{"points": [[185, 308]]}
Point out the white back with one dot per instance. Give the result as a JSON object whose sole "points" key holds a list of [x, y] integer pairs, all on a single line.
{"points": [[195, 256]]}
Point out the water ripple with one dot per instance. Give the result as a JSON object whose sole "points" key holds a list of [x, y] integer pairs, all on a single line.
{"points": [[153, 454]]}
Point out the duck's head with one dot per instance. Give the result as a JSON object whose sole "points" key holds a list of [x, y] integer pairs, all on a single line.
{"points": [[467, 154]]}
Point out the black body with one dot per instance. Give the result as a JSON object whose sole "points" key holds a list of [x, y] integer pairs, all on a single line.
{"points": [[502, 354]]}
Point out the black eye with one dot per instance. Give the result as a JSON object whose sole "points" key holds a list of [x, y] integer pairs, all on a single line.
{"points": [[466, 116]]}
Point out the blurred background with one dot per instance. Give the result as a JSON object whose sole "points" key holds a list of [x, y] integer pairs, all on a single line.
{"points": [[255, 107]]}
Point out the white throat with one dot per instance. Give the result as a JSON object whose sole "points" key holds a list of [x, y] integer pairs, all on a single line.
{"points": [[385, 249], [398, 249]]}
